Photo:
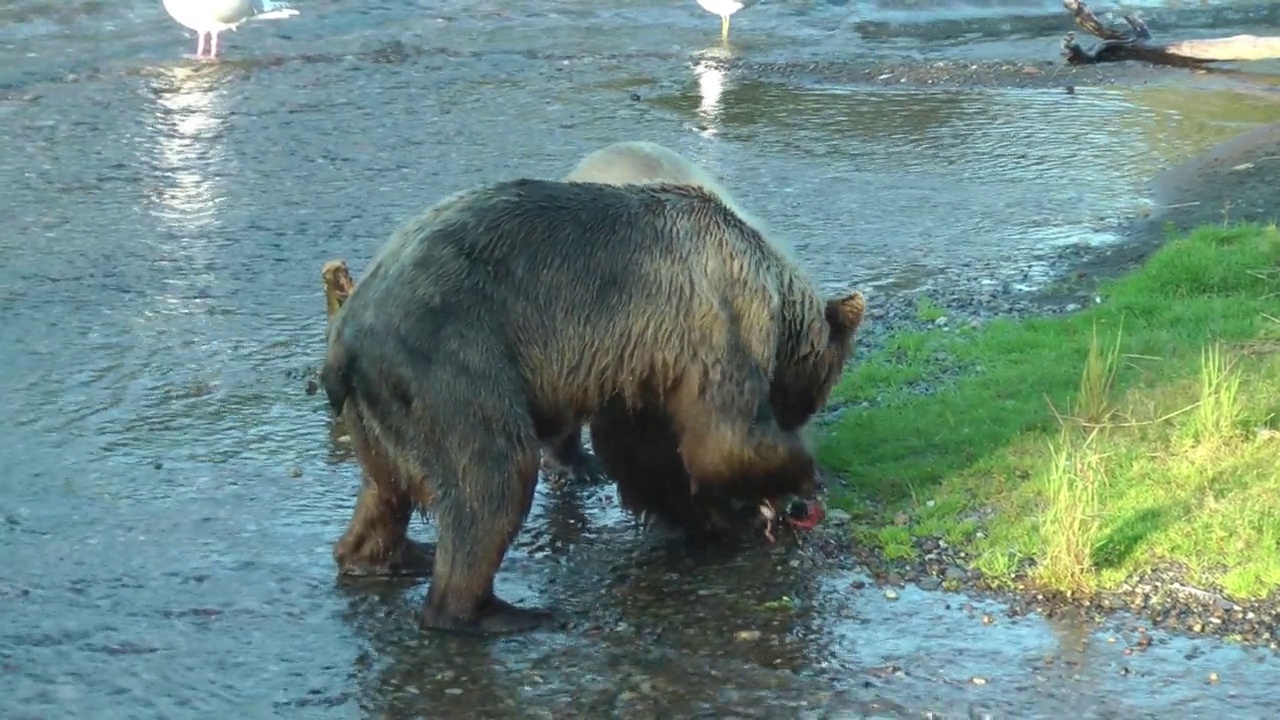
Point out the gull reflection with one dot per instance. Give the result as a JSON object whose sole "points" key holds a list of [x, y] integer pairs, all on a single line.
{"points": [[189, 159], [710, 87], [187, 125]]}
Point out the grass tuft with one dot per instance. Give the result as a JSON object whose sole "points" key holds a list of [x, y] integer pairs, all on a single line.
{"points": [[929, 311], [1070, 524], [1093, 405], [1218, 413]]}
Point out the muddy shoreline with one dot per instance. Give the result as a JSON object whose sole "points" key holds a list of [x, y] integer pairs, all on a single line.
{"points": [[1161, 601]]}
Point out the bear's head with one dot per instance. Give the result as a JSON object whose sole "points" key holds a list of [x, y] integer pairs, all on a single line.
{"points": [[802, 383]]}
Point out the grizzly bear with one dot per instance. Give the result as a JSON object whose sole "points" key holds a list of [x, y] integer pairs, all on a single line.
{"points": [[490, 323], [636, 446]]}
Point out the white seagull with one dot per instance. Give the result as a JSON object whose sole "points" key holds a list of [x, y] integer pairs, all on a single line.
{"points": [[724, 8], [214, 16]]}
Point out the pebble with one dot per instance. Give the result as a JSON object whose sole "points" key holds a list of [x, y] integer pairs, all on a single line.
{"points": [[890, 594], [839, 517], [747, 635]]}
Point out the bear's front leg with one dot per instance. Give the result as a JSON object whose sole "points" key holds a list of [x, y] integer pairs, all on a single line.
{"points": [[376, 542]]}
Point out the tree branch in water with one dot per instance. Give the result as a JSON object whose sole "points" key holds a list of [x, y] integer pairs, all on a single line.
{"points": [[1136, 43]]}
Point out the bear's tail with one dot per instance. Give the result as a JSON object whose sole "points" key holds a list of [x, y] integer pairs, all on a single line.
{"points": [[335, 376]]}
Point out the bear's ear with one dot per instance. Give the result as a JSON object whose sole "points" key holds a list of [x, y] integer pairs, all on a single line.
{"points": [[844, 315]]}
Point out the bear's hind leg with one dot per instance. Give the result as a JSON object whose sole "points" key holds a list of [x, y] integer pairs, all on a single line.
{"points": [[376, 542], [479, 511]]}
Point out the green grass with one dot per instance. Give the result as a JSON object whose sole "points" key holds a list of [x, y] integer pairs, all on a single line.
{"points": [[1075, 451], [928, 311]]}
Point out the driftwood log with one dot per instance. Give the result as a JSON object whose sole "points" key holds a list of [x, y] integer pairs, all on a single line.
{"points": [[1136, 43]]}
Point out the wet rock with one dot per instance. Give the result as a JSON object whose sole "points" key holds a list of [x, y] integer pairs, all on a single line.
{"points": [[891, 594], [929, 583], [839, 517]]}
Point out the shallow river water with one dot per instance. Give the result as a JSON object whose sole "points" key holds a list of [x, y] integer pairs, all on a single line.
{"points": [[169, 496]]}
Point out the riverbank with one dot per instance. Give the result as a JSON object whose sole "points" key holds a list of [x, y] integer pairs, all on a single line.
{"points": [[1119, 457]]}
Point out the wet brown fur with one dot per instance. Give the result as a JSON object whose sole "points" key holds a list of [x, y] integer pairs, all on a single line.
{"points": [[631, 162], [493, 322], [637, 445]]}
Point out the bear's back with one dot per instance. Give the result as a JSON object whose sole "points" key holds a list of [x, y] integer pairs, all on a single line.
{"points": [[524, 240], [568, 269], [579, 283]]}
